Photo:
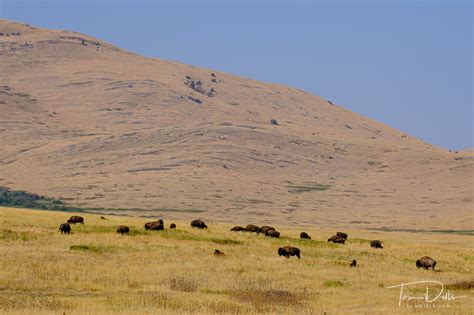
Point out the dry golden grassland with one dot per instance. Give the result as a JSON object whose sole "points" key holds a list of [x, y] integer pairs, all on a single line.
{"points": [[95, 270]]}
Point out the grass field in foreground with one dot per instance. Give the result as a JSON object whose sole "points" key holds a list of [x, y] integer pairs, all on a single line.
{"points": [[94, 270]]}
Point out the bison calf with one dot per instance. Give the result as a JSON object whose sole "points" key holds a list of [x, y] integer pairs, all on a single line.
{"points": [[65, 228], [198, 224], [426, 262], [122, 229], [288, 251], [304, 235]]}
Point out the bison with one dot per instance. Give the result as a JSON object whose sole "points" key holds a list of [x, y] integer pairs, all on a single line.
{"points": [[252, 228], [426, 262], [337, 239], [288, 251], [305, 235], [198, 224], [75, 219], [218, 252], [353, 263], [172, 226], [122, 229], [65, 228], [264, 229], [237, 229], [155, 226], [376, 244], [342, 234], [272, 233]]}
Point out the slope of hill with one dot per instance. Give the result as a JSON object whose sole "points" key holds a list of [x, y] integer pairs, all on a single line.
{"points": [[97, 126]]}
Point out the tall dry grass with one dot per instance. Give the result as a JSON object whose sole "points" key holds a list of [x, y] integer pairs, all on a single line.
{"points": [[94, 270]]}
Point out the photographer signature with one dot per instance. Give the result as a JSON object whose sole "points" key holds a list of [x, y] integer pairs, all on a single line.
{"points": [[427, 297]]}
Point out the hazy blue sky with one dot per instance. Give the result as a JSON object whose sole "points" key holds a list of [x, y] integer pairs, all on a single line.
{"points": [[406, 63]]}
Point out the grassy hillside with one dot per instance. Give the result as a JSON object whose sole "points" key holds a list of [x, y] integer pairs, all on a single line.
{"points": [[94, 270]]}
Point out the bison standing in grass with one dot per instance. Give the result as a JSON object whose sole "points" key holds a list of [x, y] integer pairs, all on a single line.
{"points": [[198, 224], [272, 233], [426, 262], [172, 226], [65, 228], [264, 229], [304, 235], [376, 244], [337, 239], [75, 219], [237, 229], [122, 229], [155, 226], [288, 251]]}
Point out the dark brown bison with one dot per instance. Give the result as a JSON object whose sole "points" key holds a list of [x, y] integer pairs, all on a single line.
{"points": [[272, 233], [252, 228], [237, 229], [264, 229], [342, 234], [75, 219], [155, 226], [337, 239], [198, 224], [103, 218], [288, 251], [65, 228], [172, 226], [305, 236], [376, 244], [353, 263], [218, 252], [122, 229], [426, 262]]}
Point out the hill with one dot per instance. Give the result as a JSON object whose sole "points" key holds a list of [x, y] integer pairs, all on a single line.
{"points": [[97, 271], [100, 127]]}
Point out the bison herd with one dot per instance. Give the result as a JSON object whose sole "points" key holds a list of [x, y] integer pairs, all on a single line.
{"points": [[424, 262]]}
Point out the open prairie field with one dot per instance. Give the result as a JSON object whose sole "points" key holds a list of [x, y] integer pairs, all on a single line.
{"points": [[95, 270]]}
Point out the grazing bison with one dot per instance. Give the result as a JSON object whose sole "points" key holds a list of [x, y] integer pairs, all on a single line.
{"points": [[172, 226], [305, 236], [288, 251], [252, 228], [353, 263], [103, 218], [198, 224], [237, 229], [155, 226], [65, 228], [426, 262], [264, 229], [342, 234], [272, 233], [122, 229], [376, 244], [75, 219], [218, 252], [337, 239]]}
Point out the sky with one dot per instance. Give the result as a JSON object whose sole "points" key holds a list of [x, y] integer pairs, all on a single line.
{"points": [[408, 64]]}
